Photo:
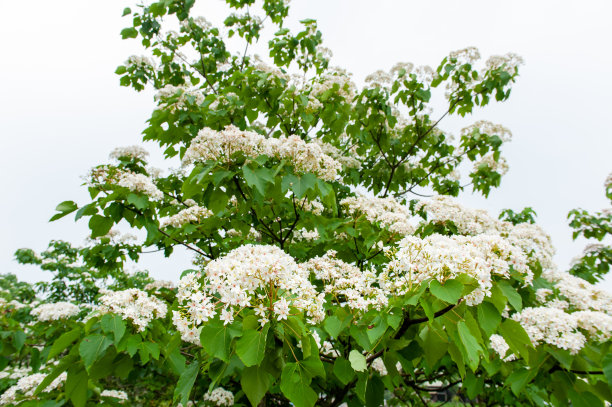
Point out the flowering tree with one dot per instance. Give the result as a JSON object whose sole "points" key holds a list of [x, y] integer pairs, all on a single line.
{"points": [[320, 276]]}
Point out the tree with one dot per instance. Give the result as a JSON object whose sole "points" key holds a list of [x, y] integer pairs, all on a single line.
{"points": [[320, 276]]}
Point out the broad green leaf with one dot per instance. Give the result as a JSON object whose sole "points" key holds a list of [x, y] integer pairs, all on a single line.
{"points": [[63, 342], [488, 317], [513, 297], [185, 383], [76, 386], [92, 347], [607, 367], [299, 185], [343, 370], [358, 361], [255, 382], [64, 209], [333, 326], [518, 379], [61, 367], [129, 32], [516, 337], [139, 201], [473, 350], [216, 339], [295, 385], [19, 338], [257, 178], [115, 324], [99, 225], [314, 366], [449, 292], [251, 347], [375, 392]]}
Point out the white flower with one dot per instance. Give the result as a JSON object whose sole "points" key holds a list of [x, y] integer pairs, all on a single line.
{"points": [[135, 152], [133, 304], [193, 214], [220, 397], [116, 394], [55, 311]]}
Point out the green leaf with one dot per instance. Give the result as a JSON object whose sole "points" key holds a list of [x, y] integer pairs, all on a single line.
{"points": [[139, 201], [295, 385], [333, 326], [129, 32], [216, 339], [516, 337], [449, 292], [358, 361], [299, 185], [76, 386], [513, 297], [63, 342], [99, 225], [607, 367], [375, 392], [64, 209], [314, 366], [473, 350], [488, 317], [19, 338], [343, 370], [517, 380], [255, 382], [92, 347], [113, 323], [185, 383], [61, 367], [257, 178], [251, 347]]}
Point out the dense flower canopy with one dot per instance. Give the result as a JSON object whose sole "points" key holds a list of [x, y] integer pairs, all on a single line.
{"points": [[332, 262]]}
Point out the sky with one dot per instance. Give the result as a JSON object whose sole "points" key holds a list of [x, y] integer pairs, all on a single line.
{"points": [[62, 109]]}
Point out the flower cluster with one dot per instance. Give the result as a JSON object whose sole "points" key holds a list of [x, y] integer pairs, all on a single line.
{"points": [[500, 165], [346, 283], [193, 214], [177, 97], [55, 311], [387, 212], [158, 284], [132, 152], [499, 345], [580, 294], [139, 61], [222, 145], [260, 277], [24, 389], [467, 55], [115, 394], [133, 304], [220, 397], [442, 208], [488, 128], [440, 258], [552, 326], [139, 183], [509, 62]]}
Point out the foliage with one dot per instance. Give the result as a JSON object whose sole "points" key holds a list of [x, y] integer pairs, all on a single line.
{"points": [[316, 278]]}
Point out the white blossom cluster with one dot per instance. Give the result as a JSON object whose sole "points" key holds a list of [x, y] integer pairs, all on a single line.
{"points": [[199, 21], [509, 62], [139, 183], [193, 214], [500, 166], [467, 55], [552, 326], [256, 276], [15, 372], [387, 212], [139, 61], [135, 152], [314, 207], [346, 282], [608, 181], [116, 394], [133, 304], [115, 235], [222, 145], [55, 311], [338, 80], [499, 345], [379, 366], [24, 389], [176, 97], [488, 128], [305, 235], [440, 258], [253, 234], [579, 293], [530, 238], [351, 161], [220, 397]]}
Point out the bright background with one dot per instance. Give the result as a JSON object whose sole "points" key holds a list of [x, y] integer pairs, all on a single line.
{"points": [[62, 109]]}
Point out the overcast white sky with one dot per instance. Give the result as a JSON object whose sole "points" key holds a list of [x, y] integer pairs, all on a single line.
{"points": [[62, 109]]}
